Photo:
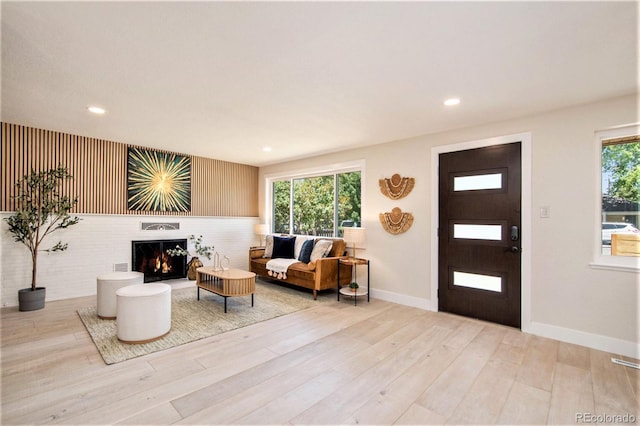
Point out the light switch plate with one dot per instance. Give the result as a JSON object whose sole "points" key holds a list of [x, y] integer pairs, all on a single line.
{"points": [[545, 212]]}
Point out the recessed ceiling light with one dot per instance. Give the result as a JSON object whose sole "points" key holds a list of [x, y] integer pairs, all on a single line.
{"points": [[267, 149], [96, 110], [452, 102]]}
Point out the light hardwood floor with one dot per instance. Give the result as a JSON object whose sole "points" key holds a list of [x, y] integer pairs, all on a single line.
{"points": [[376, 363]]}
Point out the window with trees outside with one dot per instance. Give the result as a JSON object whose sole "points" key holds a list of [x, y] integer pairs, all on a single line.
{"points": [[320, 205], [620, 215]]}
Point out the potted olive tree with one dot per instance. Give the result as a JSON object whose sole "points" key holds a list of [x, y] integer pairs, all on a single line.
{"points": [[40, 209]]}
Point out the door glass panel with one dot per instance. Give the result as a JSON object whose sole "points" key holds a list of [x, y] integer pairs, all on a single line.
{"points": [[477, 182], [482, 282], [477, 232]]}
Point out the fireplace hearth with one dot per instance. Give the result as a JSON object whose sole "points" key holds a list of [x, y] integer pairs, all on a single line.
{"points": [[151, 258]]}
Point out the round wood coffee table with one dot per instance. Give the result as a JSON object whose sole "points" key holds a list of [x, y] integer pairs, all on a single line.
{"points": [[226, 283]]}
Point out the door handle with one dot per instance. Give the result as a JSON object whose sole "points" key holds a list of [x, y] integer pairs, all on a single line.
{"points": [[515, 234]]}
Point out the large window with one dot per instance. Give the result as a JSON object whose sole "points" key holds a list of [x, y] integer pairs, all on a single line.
{"points": [[619, 233], [620, 193], [316, 205]]}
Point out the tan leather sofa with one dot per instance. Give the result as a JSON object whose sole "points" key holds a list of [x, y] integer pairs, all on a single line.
{"points": [[319, 275]]}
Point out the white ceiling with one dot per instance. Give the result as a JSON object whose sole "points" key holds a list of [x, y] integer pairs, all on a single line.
{"points": [[224, 79]]}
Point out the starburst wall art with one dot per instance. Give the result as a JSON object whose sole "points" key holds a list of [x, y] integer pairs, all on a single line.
{"points": [[158, 181]]}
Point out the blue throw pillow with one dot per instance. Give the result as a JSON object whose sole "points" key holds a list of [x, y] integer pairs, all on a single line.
{"points": [[305, 251], [283, 247]]}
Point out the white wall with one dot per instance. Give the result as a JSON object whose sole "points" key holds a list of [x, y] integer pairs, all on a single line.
{"points": [[100, 241], [569, 300]]}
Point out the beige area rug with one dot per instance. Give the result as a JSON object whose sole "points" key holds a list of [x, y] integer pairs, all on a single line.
{"points": [[193, 320]]}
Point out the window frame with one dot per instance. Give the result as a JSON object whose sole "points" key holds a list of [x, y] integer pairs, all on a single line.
{"points": [[321, 170], [600, 261]]}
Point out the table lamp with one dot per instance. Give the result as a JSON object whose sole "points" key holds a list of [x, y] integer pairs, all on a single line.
{"points": [[261, 229], [354, 236]]}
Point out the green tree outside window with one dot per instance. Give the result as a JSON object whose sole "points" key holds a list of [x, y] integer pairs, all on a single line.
{"points": [[314, 206]]}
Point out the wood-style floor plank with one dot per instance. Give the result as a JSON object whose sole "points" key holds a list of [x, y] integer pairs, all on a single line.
{"points": [[155, 415], [577, 356], [539, 363], [334, 363], [446, 393], [525, 405], [612, 388], [572, 393], [352, 402], [418, 415]]}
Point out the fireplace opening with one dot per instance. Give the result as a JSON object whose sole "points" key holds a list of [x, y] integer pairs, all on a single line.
{"points": [[151, 258]]}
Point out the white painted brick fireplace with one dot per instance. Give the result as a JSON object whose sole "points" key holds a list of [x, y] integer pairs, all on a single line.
{"points": [[100, 243]]}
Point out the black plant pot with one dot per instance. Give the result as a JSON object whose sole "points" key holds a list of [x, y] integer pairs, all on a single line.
{"points": [[31, 300]]}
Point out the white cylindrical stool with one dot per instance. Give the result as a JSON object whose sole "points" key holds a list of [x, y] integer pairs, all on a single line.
{"points": [[144, 312], [108, 284]]}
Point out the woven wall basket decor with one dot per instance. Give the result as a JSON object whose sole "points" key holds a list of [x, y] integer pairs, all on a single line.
{"points": [[396, 222], [396, 187]]}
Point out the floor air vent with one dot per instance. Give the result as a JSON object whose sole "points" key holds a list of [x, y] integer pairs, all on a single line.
{"points": [[625, 363]]}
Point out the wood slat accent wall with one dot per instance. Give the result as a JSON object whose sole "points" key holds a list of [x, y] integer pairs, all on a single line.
{"points": [[99, 168]]}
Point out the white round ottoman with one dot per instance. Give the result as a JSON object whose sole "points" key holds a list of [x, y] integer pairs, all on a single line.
{"points": [[144, 312], [107, 286]]}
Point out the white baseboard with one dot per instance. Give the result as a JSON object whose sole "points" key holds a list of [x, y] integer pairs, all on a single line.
{"points": [[403, 299], [594, 341]]}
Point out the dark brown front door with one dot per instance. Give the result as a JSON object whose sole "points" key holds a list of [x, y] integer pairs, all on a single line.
{"points": [[479, 233]]}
